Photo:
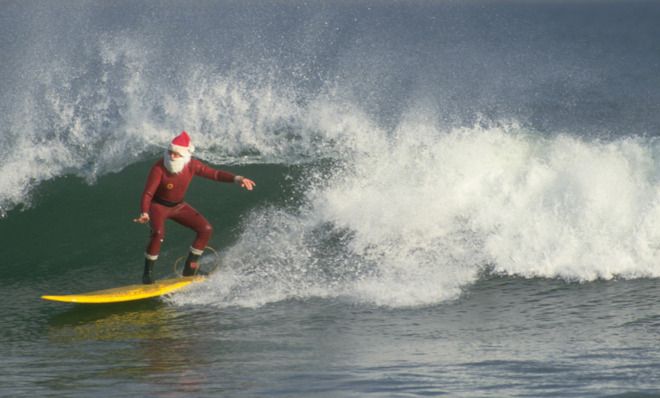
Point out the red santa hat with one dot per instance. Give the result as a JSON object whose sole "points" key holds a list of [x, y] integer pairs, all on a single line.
{"points": [[181, 144]]}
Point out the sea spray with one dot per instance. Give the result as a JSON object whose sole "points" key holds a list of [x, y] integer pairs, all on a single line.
{"points": [[97, 118], [417, 215]]}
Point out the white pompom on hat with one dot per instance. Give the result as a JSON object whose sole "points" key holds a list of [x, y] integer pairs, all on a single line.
{"points": [[181, 144]]}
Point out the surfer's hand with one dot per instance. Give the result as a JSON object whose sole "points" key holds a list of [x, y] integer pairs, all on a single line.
{"points": [[143, 219], [245, 182]]}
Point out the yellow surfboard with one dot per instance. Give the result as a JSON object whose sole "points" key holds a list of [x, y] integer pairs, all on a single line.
{"points": [[128, 293]]}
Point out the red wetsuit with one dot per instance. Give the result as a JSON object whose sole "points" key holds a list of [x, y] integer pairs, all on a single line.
{"points": [[163, 199]]}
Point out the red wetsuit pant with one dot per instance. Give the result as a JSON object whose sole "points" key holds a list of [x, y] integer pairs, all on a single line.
{"points": [[183, 214]]}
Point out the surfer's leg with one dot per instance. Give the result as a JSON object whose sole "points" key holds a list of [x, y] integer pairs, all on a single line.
{"points": [[147, 275], [158, 215], [191, 218], [192, 264]]}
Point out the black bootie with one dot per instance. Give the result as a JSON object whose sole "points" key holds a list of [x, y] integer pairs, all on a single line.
{"points": [[147, 276], [192, 264]]}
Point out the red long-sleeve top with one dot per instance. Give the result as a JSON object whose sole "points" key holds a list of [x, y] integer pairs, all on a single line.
{"points": [[172, 187]]}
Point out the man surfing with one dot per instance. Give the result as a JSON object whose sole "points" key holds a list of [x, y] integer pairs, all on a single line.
{"points": [[163, 198]]}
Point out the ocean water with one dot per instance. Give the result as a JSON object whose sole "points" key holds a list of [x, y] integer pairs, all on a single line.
{"points": [[456, 198]]}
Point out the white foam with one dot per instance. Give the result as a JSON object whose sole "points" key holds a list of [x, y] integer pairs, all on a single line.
{"points": [[414, 216]]}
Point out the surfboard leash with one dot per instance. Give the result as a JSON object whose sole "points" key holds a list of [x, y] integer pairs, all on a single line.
{"points": [[217, 262]]}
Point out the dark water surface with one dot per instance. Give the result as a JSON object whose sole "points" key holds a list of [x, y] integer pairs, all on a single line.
{"points": [[504, 337]]}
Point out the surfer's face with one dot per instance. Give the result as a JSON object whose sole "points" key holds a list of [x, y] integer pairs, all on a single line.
{"points": [[174, 161]]}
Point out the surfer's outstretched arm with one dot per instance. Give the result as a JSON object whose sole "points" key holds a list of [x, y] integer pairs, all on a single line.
{"points": [[205, 171]]}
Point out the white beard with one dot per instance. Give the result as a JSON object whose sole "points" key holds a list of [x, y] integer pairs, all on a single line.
{"points": [[175, 166]]}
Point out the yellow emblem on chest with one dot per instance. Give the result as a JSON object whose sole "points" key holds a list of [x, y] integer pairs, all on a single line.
{"points": [[169, 186]]}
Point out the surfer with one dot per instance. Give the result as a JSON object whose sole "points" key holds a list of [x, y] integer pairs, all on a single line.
{"points": [[163, 198]]}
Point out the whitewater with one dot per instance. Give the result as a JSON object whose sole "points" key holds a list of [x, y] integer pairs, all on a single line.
{"points": [[422, 208]]}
